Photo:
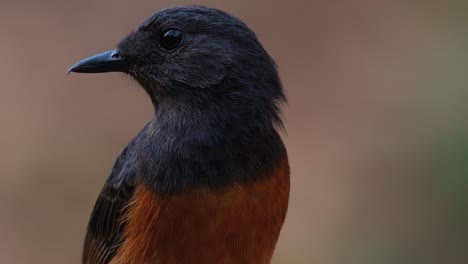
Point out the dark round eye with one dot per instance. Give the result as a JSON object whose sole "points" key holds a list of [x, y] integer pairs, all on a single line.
{"points": [[170, 39]]}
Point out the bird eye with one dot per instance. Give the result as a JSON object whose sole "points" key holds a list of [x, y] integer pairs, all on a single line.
{"points": [[170, 39]]}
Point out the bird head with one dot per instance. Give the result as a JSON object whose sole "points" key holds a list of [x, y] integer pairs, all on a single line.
{"points": [[194, 52]]}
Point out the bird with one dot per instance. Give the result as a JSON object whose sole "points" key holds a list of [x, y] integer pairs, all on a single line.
{"points": [[207, 179]]}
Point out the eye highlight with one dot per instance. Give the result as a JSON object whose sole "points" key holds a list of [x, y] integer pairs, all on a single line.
{"points": [[171, 39]]}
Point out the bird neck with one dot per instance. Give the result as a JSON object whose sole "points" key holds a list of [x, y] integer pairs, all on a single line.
{"points": [[209, 141]]}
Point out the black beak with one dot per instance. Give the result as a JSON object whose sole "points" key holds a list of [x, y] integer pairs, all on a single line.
{"points": [[109, 61]]}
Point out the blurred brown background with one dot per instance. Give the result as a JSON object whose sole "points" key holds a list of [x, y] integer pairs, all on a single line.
{"points": [[376, 124]]}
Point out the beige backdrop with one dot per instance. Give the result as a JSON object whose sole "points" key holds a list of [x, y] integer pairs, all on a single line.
{"points": [[376, 124]]}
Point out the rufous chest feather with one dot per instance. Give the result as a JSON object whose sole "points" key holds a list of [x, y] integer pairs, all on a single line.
{"points": [[238, 225]]}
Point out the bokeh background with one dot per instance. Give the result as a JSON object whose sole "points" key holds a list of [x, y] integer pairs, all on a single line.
{"points": [[377, 124]]}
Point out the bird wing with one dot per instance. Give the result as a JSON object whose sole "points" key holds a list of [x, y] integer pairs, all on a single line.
{"points": [[107, 223]]}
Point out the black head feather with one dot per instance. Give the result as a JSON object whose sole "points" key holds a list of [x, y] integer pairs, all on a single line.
{"points": [[215, 49]]}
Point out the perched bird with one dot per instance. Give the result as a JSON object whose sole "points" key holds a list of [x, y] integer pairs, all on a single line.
{"points": [[207, 179]]}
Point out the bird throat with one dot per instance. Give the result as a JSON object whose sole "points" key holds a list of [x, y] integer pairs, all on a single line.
{"points": [[213, 143]]}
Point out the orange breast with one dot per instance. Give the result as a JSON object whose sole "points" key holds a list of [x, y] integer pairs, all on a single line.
{"points": [[237, 225]]}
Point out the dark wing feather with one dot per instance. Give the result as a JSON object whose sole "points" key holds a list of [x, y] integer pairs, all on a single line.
{"points": [[106, 226]]}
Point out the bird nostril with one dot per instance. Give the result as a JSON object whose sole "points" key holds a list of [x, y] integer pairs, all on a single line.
{"points": [[116, 56]]}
